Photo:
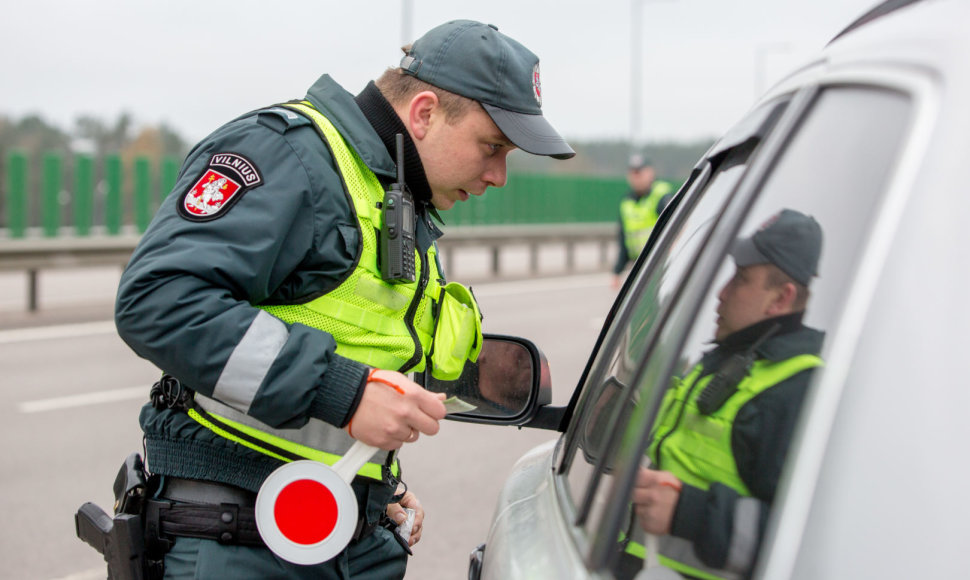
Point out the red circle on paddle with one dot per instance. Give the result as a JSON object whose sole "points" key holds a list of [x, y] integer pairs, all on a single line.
{"points": [[306, 511]]}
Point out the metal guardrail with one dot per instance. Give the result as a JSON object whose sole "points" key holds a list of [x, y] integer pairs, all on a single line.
{"points": [[34, 254], [496, 238]]}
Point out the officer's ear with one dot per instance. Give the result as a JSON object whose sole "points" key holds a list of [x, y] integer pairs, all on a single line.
{"points": [[421, 112], [783, 301]]}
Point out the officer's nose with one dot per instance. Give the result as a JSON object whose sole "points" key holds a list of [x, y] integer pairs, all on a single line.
{"points": [[496, 174]]}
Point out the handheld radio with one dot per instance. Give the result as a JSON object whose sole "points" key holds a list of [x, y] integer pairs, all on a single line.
{"points": [[729, 375], [397, 227]]}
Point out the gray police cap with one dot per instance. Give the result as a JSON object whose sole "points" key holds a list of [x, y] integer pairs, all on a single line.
{"points": [[476, 61], [638, 162], [790, 240]]}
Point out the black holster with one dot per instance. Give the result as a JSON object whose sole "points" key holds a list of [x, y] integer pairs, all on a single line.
{"points": [[121, 539]]}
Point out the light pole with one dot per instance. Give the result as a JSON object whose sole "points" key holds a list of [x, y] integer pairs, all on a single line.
{"points": [[636, 69], [636, 58], [406, 6]]}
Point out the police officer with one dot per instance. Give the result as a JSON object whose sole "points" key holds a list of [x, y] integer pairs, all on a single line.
{"points": [[708, 495], [639, 210], [258, 289]]}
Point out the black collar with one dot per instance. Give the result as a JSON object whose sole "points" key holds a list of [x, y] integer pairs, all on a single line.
{"points": [[749, 335], [387, 124]]}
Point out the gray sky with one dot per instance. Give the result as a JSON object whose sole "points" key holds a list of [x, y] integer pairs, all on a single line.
{"points": [[196, 64]]}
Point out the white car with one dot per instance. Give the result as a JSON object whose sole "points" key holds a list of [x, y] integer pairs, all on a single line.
{"points": [[872, 139]]}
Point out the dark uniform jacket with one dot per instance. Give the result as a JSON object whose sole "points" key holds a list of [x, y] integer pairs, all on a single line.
{"points": [[761, 434], [186, 299]]}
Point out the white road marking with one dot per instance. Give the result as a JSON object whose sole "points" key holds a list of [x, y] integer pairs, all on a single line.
{"points": [[57, 332], [108, 327], [82, 400], [510, 288]]}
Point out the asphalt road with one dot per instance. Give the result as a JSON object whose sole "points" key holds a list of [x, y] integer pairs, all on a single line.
{"points": [[68, 417]]}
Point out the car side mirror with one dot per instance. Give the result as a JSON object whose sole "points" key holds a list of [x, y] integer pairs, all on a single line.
{"points": [[506, 385]]}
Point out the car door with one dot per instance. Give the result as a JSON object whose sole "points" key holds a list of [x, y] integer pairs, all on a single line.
{"points": [[826, 151]]}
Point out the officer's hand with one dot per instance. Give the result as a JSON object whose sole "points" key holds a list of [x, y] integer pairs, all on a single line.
{"points": [[396, 512], [655, 496], [387, 418]]}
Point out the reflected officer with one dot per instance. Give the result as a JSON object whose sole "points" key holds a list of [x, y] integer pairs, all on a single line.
{"points": [[722, 433]]}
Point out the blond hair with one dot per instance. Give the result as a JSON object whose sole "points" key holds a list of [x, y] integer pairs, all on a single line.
{"points": [[399, 87]]}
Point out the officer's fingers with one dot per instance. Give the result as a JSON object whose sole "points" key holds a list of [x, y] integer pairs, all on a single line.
{"points": [[421, 422], [410, 500], [648, 520], [432, 404], [396, 513], [422, 412], [411, 410], [648, 494], [386, 438], [380, 440], [429, 402], [641, 495], [415, 536], [647, 477], [404, 422], [641, 511]]}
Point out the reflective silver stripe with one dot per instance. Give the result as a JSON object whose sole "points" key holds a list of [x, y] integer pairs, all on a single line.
{"points": [[744, 539], [250, 361], [316, 433], [682, 551]]}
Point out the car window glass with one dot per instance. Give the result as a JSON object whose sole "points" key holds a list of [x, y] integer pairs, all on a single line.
{"points": [[604, 406], [653, 290], [834, 170]]}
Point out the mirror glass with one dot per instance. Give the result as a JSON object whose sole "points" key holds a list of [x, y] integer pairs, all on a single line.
{"points": [[497, 385]]}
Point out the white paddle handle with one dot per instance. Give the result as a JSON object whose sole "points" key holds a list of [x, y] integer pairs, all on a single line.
{"points": [[651, 542], [355, 458]]}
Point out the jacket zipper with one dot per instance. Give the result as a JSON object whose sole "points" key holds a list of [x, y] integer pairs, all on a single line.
{"points": [[412, 312]]}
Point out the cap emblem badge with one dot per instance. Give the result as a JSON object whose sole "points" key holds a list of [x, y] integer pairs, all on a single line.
{"points": [[536, 86]]}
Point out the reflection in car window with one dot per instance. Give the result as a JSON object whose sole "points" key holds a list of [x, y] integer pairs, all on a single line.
{"points": [[606, 407], [810, 217], [655, 287]]}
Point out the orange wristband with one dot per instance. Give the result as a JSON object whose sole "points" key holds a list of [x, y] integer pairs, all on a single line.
{"points": [[372, 378], [676, 485]]}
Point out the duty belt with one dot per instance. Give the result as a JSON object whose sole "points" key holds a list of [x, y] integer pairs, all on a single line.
{"points": [[212, 511], [202, 509]]}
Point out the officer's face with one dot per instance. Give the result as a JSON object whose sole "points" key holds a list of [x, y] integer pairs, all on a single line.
{"points": [[640, 179], [463, 157], [745, 300]]}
